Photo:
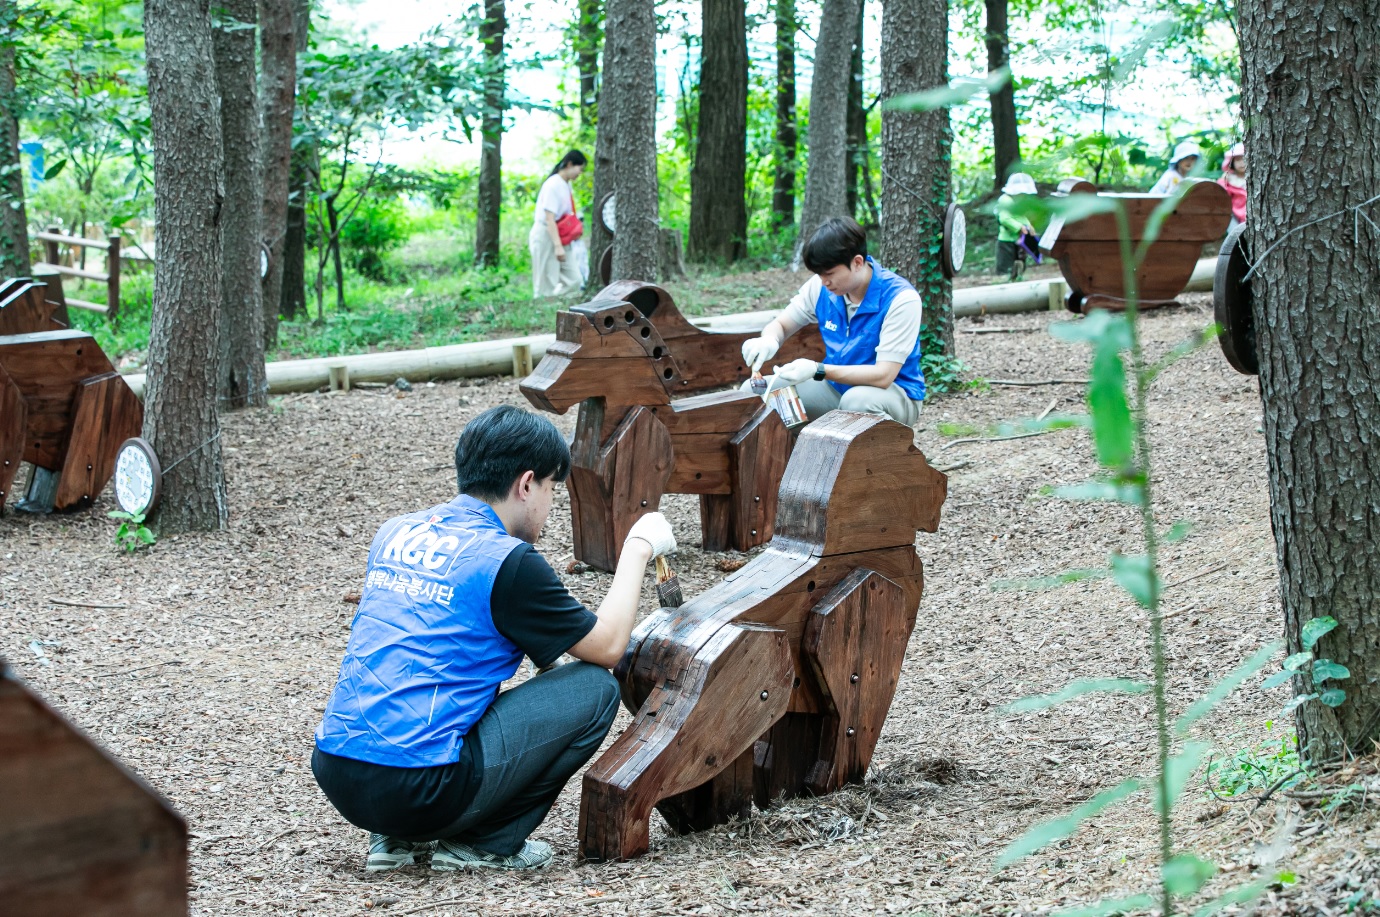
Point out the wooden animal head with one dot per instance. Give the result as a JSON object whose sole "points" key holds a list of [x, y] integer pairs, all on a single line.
{"points": [[25, 308]]}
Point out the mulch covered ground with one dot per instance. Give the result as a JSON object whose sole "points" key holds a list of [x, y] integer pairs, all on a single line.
{"points": [[210, 671]]}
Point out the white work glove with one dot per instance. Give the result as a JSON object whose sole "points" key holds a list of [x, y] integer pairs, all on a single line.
{"points": [[796, 372], [656, 531], [757, 351]]}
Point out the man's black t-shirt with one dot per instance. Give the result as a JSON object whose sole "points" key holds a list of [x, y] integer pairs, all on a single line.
{"points": [[531, 607]]}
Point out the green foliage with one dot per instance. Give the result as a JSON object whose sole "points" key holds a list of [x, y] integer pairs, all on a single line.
{"points": [[1274, 761], [1077, 689], [132, 533], [380, 226], [1314, 669]]}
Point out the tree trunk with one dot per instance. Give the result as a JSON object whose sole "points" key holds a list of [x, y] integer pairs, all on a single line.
{"points": [[294, 297], [490, 205], [825, 192], [915, 159], [589, 36], [14, 226], [1006, 141], [242, 379], [718, 181], [1311, 89], [783, 183], [278, 44], [630, 43], [181, 419], [333, 244], [857, 118]]}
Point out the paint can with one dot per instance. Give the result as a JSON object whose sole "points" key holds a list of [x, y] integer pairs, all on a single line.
{"points": [[785, 401]]}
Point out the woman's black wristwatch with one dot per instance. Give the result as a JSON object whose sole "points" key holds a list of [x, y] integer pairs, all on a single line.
{"points": [[819, 372]]}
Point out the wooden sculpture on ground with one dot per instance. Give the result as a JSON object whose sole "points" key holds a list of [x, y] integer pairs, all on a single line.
{"points": [[1089, 250], [64, 409], [777, 680], [623, 358], [80, 834], [26, 307]]}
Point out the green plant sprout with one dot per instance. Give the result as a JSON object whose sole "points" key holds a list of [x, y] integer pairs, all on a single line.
{"points": [[132, 533], [1319, 670]]}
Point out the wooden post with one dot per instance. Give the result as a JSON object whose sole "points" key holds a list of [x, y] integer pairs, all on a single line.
{"points": [[112, 283], [1057, 291], [339, 375], [522, 360], [50, 248]]}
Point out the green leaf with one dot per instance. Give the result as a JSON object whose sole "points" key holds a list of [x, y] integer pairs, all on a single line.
{"points": [[1177, 771], [1190, 346], [1113, 431], [1185, 873], [1178, 531], [55, 169], [1133, 494], [1045, 834], [1080, 206], [955, 93], [1333, 697], [1324, 669], [1092, 329], [1314, 629], [1107, 907], [1298, 701], [1132, 573], [1038, 583], [1297, 661], [1230, 683], [145, 535], [1238, 895], [1076, 688], [1277, 679]]}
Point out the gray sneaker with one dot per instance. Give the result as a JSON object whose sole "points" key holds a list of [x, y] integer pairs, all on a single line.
{"points": [[454, 855], [390, 852]]}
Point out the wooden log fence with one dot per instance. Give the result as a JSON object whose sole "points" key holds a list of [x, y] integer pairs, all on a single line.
{"points": [[52, 239]]}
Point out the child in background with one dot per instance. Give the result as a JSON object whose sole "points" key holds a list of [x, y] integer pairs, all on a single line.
{"points": [[1234, 180], [1185, 158], [1010, 226]]}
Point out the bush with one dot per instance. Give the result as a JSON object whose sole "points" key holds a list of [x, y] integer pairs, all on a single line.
{"points": [[380, 225]]}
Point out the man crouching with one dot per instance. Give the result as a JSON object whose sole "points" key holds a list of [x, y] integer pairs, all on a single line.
{"points": [[417, 744]]}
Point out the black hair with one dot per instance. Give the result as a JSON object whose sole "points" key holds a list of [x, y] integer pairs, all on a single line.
{"points": [[837, 241], [499, 445], [573, 158]]}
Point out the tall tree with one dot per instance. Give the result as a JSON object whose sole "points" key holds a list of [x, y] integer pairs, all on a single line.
{"points": [[242, 379], [14, 228], [915, 159], [294, 296], [857, 117], [589, 38], [278, 50], [825, 193], [605, 179], [1006, 146], [718, 180], [487, 216], [783, 179], [181, 418], [630, 46], [1311, 89]]}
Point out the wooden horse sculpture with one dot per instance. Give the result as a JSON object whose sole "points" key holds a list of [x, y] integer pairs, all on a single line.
{"points": [[623, 358], [25, 307], [1089, 250], [65, 409], [777, 680]]}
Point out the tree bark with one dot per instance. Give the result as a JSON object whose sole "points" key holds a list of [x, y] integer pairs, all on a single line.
{"points": [[718, 180], [181, 419], [857, 118], [294, 297], [915, 159], [589, 37], [242, 379], [783, 182], [490, 204], [14, 224], [630, 43], [825, 193], [1006, 141], [278, 49], [1310, 93]]}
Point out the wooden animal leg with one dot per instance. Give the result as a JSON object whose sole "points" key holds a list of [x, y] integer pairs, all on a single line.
{"points": [[105, 413], [782, 758], [723, 798], [613, 481], [706, 711], [13, 416], [855, 640], [757, 457]]}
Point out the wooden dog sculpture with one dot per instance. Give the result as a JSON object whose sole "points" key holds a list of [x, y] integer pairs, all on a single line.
{"points": [[1089, 250], [26, 307], [778, 679], [623, 358]]}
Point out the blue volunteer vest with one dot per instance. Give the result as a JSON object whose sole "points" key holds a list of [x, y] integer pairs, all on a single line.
{"points": [[854, 342], [424, 659]]}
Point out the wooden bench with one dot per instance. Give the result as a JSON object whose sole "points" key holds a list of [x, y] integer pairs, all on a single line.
{"points": [[1089, 250], [626, 359], [79, 835], [776, 681], [65, 410], [27, 306]]}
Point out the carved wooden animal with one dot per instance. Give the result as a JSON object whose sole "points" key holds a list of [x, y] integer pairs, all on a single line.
{"points": [[79, 834], [65, 409], [777, 680], [26, 307], [625, 359], [1089, 250]]}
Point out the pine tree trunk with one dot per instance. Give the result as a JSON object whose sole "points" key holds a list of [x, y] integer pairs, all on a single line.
{"points": [[486, 227], [14, 228], [857, 118], [1311, 91], [278, 49], [242, 379], [589, 37], [1006, 145], [181, 419], [718, 180], [294, 297], [783, 182], [630, 44], [825, 192], [915, 158]]}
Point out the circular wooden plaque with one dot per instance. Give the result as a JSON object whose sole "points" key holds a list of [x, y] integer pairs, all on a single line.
{"points": [[138, 477], [1232, 305], [955, 244]]}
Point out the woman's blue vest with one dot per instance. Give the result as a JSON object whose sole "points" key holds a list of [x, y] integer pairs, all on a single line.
{"points": [[854, 343], [424, 659]]}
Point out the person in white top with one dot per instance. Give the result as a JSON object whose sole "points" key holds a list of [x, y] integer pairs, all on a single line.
{"points": [[555, 227], [1186, 156]]}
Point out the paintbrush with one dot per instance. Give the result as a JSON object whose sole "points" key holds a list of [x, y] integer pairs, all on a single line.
{"points": [[668, 585]]}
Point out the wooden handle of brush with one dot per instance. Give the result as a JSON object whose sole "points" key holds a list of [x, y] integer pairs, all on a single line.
{"points": [[663, 569]]}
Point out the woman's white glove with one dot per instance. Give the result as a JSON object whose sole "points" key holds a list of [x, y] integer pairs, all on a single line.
{"points": [[656, 531], [796, 371], [757, 351]]}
